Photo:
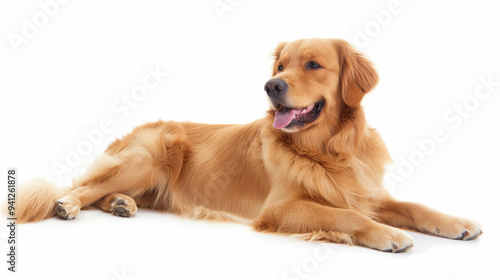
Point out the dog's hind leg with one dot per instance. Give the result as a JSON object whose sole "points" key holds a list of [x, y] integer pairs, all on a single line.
{"points": [[109, 176], [148, 159]]}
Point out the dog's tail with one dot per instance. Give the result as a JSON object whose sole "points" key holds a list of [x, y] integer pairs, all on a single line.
{"points": [[36, 200]]}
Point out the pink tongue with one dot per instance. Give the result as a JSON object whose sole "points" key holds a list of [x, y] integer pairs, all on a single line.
{"points": [[283, 118]]}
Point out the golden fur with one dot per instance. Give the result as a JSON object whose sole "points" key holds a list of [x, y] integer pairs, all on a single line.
{"points": [[321, 181]]}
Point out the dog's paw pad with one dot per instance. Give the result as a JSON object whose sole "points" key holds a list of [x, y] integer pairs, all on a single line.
{"points": [[67, 210], [120, 211], [122, 207]]}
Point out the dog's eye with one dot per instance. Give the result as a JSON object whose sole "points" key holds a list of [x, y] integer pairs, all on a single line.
{"points": [[280, 68], [313, 65]]}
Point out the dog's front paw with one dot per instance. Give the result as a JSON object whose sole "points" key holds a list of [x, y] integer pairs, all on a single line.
{"points": [[384, 238], [457, 228]]}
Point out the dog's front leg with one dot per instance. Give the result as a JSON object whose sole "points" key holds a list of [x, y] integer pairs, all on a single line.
{"points": [[424, 219], [304, 216]]}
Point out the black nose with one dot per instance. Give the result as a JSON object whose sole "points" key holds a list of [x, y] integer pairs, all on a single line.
{"points": [[275, 87]]}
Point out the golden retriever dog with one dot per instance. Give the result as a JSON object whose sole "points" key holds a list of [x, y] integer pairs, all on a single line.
{"points": [[311, 167]]}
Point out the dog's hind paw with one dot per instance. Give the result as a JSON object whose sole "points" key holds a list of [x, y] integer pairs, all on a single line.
{"points": [[123, 206], [67, 209]]}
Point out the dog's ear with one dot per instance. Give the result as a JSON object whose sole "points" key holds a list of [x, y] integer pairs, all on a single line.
{"points": [[357, 75], [276, 55]]}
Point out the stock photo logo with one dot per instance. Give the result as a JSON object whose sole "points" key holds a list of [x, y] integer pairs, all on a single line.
{"points": [[453, 118], [380, 19], [223, 7], [123, 274], [31, 26], [309, 264], [120, 109]]}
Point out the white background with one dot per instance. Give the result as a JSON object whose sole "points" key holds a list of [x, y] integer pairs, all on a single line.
{"points": [[66, 76]]}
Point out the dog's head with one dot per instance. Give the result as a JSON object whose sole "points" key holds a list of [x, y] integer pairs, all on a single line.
{"points": [[316, 78]]}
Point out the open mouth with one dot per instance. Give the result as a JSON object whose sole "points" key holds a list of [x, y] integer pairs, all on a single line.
{"points": [[286, 117]]}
